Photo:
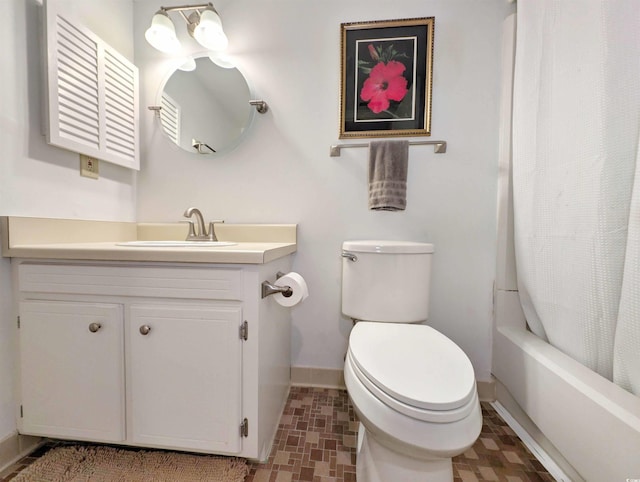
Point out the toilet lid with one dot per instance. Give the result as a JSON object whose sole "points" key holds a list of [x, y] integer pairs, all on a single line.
{"points": [[413, 364]]}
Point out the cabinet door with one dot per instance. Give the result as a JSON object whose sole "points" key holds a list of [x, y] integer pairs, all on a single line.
{"points": [[185, 376], [72, 370], [92, 92]]}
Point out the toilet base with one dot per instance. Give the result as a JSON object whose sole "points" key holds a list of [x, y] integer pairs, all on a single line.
{"points": [[377, 463]]}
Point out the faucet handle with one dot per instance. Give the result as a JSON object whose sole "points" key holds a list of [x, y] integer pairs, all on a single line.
{"points": [[192, 230], [212, 232]]}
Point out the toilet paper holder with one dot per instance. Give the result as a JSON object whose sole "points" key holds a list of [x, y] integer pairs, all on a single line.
{"points": [[271, 289]]}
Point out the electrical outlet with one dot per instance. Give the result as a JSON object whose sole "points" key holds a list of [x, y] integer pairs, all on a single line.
{"points": [[89, 166]]}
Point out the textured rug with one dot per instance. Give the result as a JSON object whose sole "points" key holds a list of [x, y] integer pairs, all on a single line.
{"points": [[107, 464]]}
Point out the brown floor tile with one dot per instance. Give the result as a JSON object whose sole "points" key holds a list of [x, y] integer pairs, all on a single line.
{"points": [[317, 437]]}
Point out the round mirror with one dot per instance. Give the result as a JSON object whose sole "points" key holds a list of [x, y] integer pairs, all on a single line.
{"points": [[205, 110]]}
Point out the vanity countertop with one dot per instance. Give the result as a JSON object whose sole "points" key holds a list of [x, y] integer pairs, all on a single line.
{"points": [[63, 239]]}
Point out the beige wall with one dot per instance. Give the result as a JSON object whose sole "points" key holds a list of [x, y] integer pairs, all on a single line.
{"points": [[290, 51], [35, 178]]}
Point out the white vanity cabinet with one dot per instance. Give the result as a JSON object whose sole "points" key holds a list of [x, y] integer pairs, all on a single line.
{"points": [[171, 355]]}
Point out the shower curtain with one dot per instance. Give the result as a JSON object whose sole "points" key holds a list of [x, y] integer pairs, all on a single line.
{"points": [[576, 179]]}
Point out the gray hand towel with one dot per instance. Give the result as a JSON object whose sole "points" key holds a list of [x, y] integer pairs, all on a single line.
{"points": [[388, 163]]}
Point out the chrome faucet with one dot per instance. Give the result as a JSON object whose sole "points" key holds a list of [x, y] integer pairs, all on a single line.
{"points": [[201, 234]]}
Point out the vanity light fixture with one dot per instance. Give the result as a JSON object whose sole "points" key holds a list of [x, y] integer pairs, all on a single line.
{"points": [[188, 65], [162, 33], [222, 60], [208, 32], [203, 24]]}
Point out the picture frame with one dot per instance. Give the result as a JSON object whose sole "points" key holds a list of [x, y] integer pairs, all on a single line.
{"points": [[386, 72]]}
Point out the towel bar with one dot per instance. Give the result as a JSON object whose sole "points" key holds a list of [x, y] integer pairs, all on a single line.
{"points": [[439, 147]]}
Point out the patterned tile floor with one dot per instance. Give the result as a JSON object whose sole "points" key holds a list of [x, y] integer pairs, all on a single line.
{"points": [[317, 438], [316, 442]]}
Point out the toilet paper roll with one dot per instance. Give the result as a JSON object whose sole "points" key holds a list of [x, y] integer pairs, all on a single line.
{"points": [[297, 284]]}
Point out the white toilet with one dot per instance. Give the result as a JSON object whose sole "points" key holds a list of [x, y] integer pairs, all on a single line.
{"points": [[412, 388]]}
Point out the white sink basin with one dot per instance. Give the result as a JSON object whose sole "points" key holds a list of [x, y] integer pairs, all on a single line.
{"points": [[175, 244]]}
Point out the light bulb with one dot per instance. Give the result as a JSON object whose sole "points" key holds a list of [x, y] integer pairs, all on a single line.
{"points": [[222, 60], [188, 65], [162, 33], [209, 31]]}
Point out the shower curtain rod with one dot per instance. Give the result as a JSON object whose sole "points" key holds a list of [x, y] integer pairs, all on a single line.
{"points": [[439, 147]]}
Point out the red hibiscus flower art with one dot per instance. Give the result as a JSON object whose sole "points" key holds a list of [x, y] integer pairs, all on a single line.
{"points": [[384, 84]]}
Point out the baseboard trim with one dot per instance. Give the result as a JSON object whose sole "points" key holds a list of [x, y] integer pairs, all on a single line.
{"points": [[334, 378], [317, 377], [14, 447], [486, 390]]}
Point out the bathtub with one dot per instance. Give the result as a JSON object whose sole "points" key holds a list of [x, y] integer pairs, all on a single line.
{"points": [[593, 423]]}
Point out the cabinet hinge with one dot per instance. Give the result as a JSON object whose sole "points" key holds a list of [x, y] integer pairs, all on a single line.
{"points": [[244, 331], [18, 322], [21, 412], [244, 428]]}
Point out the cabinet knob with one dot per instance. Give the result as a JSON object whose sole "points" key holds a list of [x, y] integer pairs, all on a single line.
{"points": [[145, 329], [93, 327]]}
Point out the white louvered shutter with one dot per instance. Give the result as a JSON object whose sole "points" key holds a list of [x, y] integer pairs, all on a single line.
{"points": [[170, 118], [92, 93], [121, 106]]}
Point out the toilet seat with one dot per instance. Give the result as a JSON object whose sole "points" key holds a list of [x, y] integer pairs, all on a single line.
{"points": [[413, 369]]}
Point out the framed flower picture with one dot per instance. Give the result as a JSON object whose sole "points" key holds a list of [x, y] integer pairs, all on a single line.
{"points": [[386, 71]]}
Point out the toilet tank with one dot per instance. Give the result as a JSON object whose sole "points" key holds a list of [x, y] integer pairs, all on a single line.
{"points": [[386, 280]]}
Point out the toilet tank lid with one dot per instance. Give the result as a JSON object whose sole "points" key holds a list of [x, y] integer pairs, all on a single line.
{"points": [[382, 246]]}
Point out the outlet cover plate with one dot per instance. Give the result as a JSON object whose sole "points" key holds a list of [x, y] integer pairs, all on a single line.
{"points": [[89, 167]]}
